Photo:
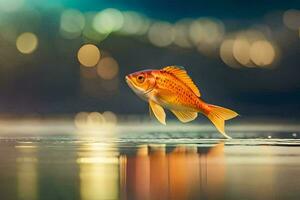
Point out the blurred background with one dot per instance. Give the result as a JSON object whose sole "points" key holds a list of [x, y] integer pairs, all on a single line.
{"points": [[62, 92], [68, 57]]}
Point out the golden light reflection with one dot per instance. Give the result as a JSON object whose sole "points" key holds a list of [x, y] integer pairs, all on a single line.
{"points": [[27, 173], [161, 34], [110, 117], [264, 164], [123, 176], [95, 119], [262, 53], [71, 23], [95, 122], [108, 20], [88, 55], [107, 68], [291, 18], [99, 174], [81, 119], [27, 42]]}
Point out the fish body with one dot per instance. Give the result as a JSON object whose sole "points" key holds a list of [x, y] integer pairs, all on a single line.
{"points": [[172, 88], [172, 93]]}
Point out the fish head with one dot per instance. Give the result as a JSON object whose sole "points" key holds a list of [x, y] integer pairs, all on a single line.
{"points": [[141, 82]]}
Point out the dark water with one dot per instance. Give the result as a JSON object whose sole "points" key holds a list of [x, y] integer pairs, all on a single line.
{"points": [[149, 165]]}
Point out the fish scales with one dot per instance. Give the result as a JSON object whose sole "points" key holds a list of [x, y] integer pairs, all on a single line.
{"points": [[185, 97]]}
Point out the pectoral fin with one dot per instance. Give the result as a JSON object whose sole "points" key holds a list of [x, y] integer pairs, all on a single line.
{"points": [[185, 116], [158, 112]]}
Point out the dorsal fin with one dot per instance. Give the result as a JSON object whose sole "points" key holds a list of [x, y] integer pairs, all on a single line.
{"points": [[182, 75]]}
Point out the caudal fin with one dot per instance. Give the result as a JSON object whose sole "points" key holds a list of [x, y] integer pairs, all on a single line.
{"points": [[218, 115]]}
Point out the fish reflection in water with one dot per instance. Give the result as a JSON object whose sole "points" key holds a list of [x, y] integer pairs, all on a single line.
{"points": [[182, 173], [149, 172]]}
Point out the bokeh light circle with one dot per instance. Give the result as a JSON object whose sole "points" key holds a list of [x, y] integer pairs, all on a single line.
{"points": [[182, 33], [161, 34], [81, 119], [134, 23], [108, 20], [27, 42], [207, 31], [241, 50], [226, 53], [107, 68], [262, 53], [71, 23], [88, 55], [110, 117], [291, 18], [89, 33], [95, 118]]}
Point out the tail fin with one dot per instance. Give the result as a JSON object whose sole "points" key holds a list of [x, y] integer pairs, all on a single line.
{"points": [[218, 115]]}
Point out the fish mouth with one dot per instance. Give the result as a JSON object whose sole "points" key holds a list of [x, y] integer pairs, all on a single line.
{"points": [[127, 79], [129, 82]]}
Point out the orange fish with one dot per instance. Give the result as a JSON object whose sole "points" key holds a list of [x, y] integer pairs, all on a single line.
{"points": [[172, 88]]}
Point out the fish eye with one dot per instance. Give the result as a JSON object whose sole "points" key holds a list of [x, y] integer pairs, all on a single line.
{"points": [[140, 78]]}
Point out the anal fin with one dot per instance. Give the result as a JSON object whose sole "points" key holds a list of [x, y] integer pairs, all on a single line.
{"points": [[185, 116], [158, 112]]}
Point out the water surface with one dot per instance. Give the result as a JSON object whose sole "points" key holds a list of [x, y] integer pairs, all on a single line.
{"points": [[152, 164]]}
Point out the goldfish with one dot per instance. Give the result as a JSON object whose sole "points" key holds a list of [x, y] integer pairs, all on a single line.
{"points": [[172, 88]]}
